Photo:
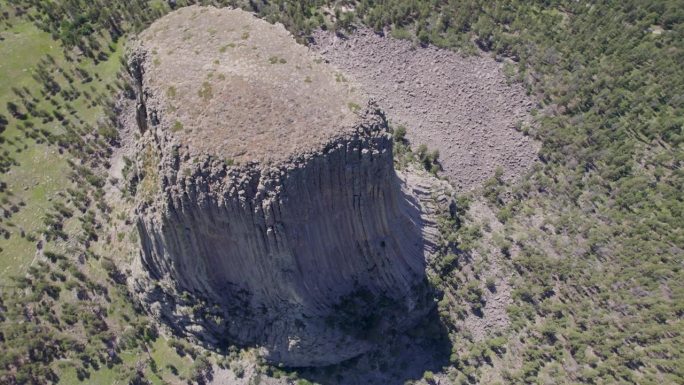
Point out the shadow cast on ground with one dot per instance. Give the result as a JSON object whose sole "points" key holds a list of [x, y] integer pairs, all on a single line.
{"points": [[397, 359]]}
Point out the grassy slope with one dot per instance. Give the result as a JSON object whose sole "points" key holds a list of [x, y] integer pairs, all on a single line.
{"points": [[41, 177], [42, 170]]}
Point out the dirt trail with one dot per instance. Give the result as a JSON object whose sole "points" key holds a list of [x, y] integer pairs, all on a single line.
{"points": [[462, 107]]}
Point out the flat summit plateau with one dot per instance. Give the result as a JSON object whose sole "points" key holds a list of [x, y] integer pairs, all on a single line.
{"points": [[230, 85]]}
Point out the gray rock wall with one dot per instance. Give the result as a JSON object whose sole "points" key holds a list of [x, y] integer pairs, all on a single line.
{"points": [[311, 259]]}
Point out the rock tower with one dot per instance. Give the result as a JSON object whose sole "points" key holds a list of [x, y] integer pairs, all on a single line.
{"points": [[269, 210]]}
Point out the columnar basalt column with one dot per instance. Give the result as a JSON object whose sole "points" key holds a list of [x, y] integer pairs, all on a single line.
{"points": [[270, 213]]}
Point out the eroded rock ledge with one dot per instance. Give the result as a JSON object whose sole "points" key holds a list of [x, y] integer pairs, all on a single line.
{"points": [[311, 254]]}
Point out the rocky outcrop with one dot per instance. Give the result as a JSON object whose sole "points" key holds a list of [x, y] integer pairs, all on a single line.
{"points": [[311, 255]]}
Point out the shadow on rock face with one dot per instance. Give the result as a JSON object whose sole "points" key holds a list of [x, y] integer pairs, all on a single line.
{"points": [[314, 275], [397, 358], [347, 324]]}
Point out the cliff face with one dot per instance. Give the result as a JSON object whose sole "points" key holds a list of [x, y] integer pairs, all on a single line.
{"points": [[310, 255], [306, 259]]}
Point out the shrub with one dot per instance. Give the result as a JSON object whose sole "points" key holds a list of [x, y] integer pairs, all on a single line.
{"points": [[205, 92], [429, 377], [177, 126], [238, 369], [353, 107], [201, 369], [429, 160], [400, 134], [491, 284]]}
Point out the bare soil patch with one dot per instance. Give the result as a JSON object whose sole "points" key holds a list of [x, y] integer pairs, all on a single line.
{"points": [[461, 106]]}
